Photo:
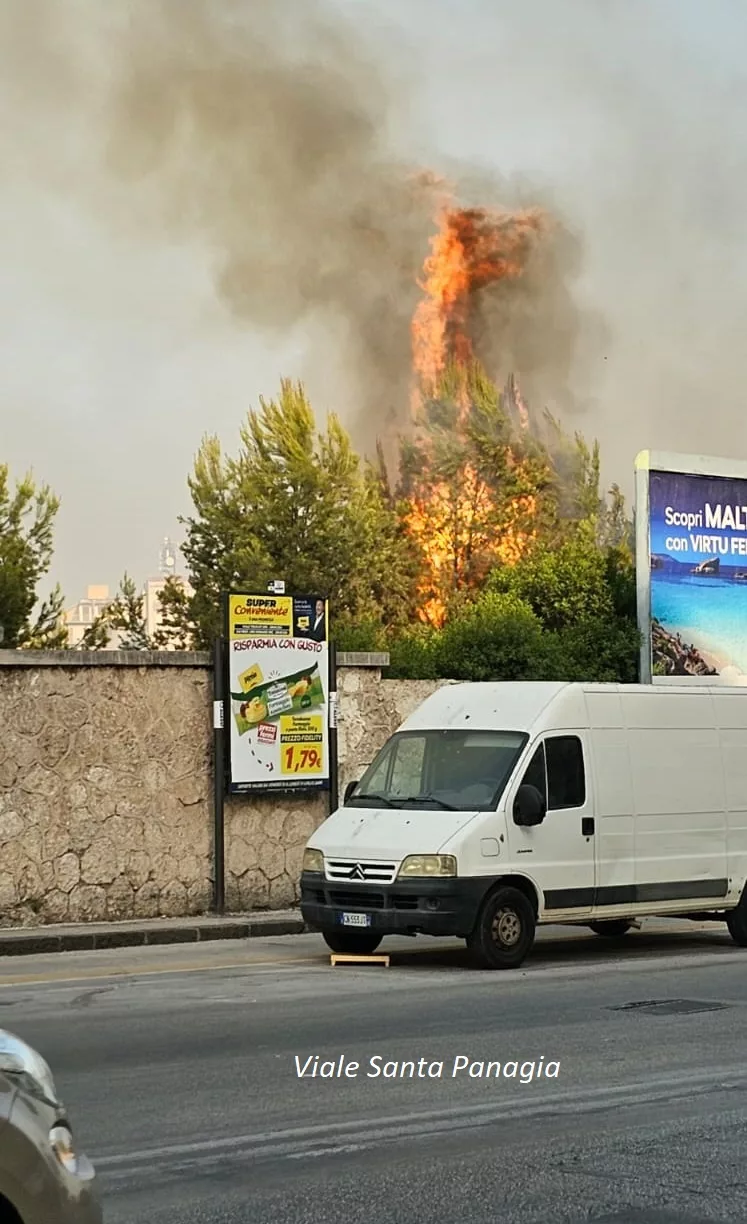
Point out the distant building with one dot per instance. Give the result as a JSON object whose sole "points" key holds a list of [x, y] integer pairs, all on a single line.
{"points": [[80, 618], [167, 568], [97, 598]]}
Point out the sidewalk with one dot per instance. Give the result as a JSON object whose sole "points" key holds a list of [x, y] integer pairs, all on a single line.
{"points": [[86, 937]]}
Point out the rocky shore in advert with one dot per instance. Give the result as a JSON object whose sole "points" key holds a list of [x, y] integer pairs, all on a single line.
{"points": [[674, 657]]}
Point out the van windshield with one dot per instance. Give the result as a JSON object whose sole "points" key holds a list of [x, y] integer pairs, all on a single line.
{"points": [[460, 771]]}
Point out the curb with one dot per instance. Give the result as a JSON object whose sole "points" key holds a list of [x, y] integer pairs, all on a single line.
{"points": [[41, 941]]}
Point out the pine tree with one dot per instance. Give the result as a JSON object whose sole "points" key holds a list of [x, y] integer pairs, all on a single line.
{"points": [[125, 616], [27, 515], [297, 504], [476, 489]]}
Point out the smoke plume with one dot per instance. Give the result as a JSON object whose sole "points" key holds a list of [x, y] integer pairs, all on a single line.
{"points": [[262, 132]]}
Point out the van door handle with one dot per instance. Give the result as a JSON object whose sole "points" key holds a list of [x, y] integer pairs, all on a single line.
{"points": [[587, 826]]}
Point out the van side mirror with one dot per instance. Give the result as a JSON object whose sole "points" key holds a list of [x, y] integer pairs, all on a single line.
{"points": [[529, 807], [348, 791]]}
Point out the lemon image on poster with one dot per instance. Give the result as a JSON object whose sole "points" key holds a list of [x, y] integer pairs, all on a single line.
{"points": [[270, 700]]}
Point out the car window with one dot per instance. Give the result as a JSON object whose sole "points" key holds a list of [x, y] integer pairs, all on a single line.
{"points": [[535, 774], [407, 766], [566, 779], [557, 771], [449, 768], [377, 775]]}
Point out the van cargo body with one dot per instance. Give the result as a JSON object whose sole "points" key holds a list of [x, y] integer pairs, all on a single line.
{"points": [[497, 807]]}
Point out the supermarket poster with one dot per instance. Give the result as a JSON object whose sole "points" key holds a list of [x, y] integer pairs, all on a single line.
{"points": [[277, 715]]}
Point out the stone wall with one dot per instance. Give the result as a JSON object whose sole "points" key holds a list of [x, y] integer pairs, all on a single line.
{"points": [[106, 788]]}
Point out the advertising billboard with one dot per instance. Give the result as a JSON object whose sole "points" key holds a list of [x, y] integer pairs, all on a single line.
{"points": [[691, 568], [277, 706]]}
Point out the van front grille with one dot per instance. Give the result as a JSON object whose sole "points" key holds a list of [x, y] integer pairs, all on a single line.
{"points": [[400, 901], [366, 871], [361, 898]]}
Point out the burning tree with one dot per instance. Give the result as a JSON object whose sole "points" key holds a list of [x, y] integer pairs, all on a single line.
{"points": [[481, 479], [451, 570], [472, 249], [471, 487]]}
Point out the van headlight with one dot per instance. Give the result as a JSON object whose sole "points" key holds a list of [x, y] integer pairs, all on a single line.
{"points": [[24, 1064], [422, 865], [313, 860]]}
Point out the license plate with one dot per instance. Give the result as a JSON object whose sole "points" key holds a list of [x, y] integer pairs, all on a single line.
{"points": [[354, 919]]}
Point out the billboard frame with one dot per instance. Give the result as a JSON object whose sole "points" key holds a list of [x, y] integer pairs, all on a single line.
{"points": [[222, 784], [328, 783], [648, 461]]}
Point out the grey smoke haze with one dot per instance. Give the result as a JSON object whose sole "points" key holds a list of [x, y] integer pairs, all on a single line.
{"points": [[198, 197], [266, 142], [260, 131]]}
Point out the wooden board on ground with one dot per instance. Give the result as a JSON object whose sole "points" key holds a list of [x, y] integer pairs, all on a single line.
{"points": [[359, 960]]}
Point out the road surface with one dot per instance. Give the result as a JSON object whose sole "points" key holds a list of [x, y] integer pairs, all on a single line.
{"points": [[178, 1065]]}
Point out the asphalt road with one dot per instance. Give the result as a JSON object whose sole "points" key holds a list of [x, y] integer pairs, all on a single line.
{"points": [[178, 1065]]}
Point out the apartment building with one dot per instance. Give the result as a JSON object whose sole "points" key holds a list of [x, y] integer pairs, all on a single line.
{"points": [[80, 617], [84, 613]]}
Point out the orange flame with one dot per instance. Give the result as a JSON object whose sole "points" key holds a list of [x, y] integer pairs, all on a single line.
{"points": [[455, 523], [472, 249], [452, 527]]}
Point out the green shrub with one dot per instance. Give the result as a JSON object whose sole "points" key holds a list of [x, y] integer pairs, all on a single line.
{"points": [[602, 652], [357, 633], [498, 637], [413, 654], [564, 585]]}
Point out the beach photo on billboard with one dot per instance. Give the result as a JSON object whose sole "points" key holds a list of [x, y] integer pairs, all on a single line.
{"points": [[691, 566]]}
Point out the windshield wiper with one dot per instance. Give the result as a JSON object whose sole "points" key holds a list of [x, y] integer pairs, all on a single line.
{"points": [[382, 799], [448, 807]]}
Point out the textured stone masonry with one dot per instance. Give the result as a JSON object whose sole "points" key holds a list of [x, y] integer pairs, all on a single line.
{"points": [[106, 787]]}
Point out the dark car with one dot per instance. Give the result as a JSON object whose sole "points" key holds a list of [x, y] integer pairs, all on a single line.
{"points": [[43, 1178]]}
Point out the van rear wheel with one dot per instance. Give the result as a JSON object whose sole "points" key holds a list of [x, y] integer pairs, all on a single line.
{"points": [[352, 943], [504, 931], [612, 928]]}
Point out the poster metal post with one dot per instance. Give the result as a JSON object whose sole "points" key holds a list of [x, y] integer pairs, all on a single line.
{"points": [[219, 777], [334, 785]]}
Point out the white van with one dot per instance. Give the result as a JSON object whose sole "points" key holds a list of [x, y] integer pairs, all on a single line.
{"points": [[496, 807]]}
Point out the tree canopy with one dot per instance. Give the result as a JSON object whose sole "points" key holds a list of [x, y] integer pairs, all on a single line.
{"points": [[494, 553], [27, 515], [295, 503]]}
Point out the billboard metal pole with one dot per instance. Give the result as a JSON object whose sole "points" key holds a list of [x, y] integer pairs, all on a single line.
{"points": [[643, 563], [219, 777], [334, 785]]}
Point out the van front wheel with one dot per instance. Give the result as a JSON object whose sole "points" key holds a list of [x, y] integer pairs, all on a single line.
{"points": [[504, 931], [736, 921], [352, 943]]}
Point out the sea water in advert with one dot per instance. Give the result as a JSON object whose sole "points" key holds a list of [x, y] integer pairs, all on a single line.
{"points": [[278, 675]]}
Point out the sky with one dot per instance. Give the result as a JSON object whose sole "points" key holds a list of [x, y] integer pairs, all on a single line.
{"points": [[152, 291]]}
